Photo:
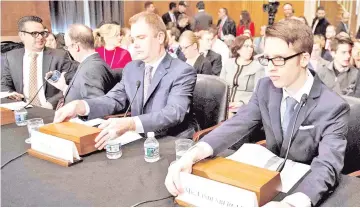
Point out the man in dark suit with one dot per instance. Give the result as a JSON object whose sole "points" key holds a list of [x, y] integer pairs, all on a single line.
{"points": [[165, 89], [23, 70], [93, 77], [205, 42], [320, 23], [344, 23], [225, 25], [319, 129], [170, 15], [203, 20], [181, 9]]}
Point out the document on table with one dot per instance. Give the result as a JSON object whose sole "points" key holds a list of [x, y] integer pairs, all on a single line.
{"points": [[15, 105], [259, 156], [6, 94]]}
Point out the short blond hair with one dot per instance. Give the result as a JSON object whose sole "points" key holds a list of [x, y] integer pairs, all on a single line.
{"points": [[153, 20], [104, 32], [191, 37], [294, 32]]}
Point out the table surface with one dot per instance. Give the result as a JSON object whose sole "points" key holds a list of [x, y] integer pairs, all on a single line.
{"points": [[98, 181]]}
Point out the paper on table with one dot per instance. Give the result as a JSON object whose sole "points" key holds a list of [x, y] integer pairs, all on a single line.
{"points": [[259, 156], [15, 105], [6, 94]]}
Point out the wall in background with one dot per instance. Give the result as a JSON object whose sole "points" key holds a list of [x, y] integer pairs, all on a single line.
{"points": [[11, 11]]}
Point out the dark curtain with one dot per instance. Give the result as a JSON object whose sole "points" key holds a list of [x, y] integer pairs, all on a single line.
{"points": [[106, 11], [65, 13]]}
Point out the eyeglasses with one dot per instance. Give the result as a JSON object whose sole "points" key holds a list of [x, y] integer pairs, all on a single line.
{"points": [[184, 48], [36, 34], [276, 61]]}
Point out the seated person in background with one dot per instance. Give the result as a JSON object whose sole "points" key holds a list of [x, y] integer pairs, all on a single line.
{"points": [[93, 77], [287, 52], [228, 40], [23, 70], [183, 23], [173, 45], [189, 44], [205, 41], [163, 102], [329, 36], [242, 73], [355, 53], [219, 46], [245, 24], [316, 61], [51, 41], [107, 41], [259, 41], [339, 75]]}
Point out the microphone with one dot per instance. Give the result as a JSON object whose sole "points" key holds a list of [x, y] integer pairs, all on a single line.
{"points": [[37, 92], [302, 103], [137, 89]]}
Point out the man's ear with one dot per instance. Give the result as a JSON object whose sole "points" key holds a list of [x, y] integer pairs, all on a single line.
{"points": [[21, 36], [161, 37], [305, 59]]}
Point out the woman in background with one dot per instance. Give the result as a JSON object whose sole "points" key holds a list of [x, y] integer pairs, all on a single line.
{"points": [[245, 24], [241, 73], [189, 44], [107, 43], [51, 41]]}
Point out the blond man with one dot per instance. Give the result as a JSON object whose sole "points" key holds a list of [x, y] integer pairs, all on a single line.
{"points": [[319, 130]]}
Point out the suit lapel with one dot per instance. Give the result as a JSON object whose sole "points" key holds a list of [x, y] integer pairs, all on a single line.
{"points": [[274, 113], [303, 114], [161, 71], [140, 95], [19, 66], [47, 58]]}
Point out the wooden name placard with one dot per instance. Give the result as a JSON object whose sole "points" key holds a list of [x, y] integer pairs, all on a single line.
{"points": [[7, 116], [81, 135], [264, 183]]}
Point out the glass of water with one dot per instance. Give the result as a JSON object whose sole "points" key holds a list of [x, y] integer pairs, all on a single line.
{"points": [[181, 146], [33, 125]]}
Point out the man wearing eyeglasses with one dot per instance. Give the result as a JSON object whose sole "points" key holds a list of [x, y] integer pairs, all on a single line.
{"points": [[318, 131], [23, 70]]}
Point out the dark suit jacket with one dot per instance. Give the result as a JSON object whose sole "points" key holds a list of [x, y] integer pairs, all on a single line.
{"points": [[229, 27], [341, 28], [93, 79], [320, 27], [215, 60], [12, 71], [166, 111], [202, 66], [166, 18], [356, 92], [203, 21], [322, 146]]}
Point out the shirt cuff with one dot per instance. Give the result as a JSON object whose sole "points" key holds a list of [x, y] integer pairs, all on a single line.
{"points": [[138, 125], [298, 200], [87, 108]]}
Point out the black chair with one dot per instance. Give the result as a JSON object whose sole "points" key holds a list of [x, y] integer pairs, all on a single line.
{"points": [[352, 154], [210, 103]]}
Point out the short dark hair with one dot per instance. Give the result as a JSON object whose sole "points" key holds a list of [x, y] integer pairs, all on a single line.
{"points": [[334, 45], [82, 34], [172, 5], [175, 32], [147, 4], [25, 19], [320, 8], [225, 10], [200, 5], [238, 44]]}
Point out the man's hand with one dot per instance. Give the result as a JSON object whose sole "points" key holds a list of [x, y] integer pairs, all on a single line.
{"points": [[275, 204], [16, 96], [60, 84], [113, 128], [70, 111], [172, 180]]}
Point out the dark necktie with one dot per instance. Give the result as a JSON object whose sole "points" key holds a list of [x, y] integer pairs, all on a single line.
{"points": [[289, 113]]}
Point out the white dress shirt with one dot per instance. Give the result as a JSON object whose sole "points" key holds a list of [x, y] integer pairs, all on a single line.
{"points": [[40, 76], [172, 16], [221, 48]]}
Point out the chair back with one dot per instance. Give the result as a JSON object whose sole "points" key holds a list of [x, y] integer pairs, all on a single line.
{"points": [[210, 102]]}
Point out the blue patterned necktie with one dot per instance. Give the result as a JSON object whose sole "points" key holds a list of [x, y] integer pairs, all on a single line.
{"points": [[147, 80], [289, 113]]}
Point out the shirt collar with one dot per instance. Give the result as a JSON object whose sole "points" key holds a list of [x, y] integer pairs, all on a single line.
{"points": [[87, 56], [156, 63], [28, 52], [305, 89], [201, 10]]}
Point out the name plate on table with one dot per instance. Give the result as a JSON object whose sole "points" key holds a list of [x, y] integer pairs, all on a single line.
{"points": [[61, 150], [202, 192], [7, 116], [263, 183]]}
